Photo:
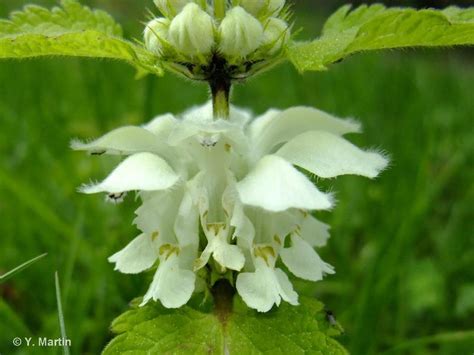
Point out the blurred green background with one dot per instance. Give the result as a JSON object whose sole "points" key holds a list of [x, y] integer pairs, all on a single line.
{"points": [[402, 245]]}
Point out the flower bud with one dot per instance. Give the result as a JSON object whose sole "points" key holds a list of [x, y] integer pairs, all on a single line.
{"points": [[192, 31], [171, 8], [262, 7], [156, 31], [240, 33], [275, 35]]}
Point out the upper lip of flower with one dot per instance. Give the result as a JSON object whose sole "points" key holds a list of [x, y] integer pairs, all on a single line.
{"points": [[238, 178]]}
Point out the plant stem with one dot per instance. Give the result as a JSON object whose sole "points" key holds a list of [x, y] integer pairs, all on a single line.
{"points": [[223, 293], [220, 84], [220, 100]]}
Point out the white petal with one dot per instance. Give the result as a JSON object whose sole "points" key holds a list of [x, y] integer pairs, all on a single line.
{"points": [[210, 132], [161, 126], [142, 171], [257, 289], [157, 214], [124, 140], [229, 256], [244, 229], [286, 288], [186, 225], [260, 123], [204, 257], [198, 192], [239, 116], [199, 113], [276, 186], [181, 132], [208, 188], [171, 285], [204, 113], [274, 227], [187, 256], [140, 254], [199, 123], [315, 232], [294, 121], [303, 261], [328, 155]]}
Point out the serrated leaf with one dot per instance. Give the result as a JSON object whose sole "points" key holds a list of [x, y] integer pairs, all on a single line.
{"points": [[190, 330], [70, 30], [376, 27]]}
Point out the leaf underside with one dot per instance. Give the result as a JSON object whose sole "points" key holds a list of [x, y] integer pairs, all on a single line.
{"points": [[287, 330], [70, 30], [376, 27]]}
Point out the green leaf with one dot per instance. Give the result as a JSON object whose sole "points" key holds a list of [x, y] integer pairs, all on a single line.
{"points": [[70, 30], [376, 27], [19, 268], [192, 330]]}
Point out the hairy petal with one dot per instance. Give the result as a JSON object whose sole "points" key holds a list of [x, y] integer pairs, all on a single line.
{"points": [[162, 125], [328, 155], [287, 124], [303, 261], [265, 287], [186, 226], [227, 255], [124, 140], [276, 186], [142, 171], [157, 214], [171, 285], [139, 255], [315, 232]]}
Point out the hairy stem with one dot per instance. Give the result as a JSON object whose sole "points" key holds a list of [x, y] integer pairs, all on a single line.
{"points": [[220, 100], [220, 84]]}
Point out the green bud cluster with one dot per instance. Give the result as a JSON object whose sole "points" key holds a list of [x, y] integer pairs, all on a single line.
{"points": [[242, 36]]}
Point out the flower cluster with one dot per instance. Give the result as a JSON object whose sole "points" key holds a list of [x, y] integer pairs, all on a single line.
{"points": [[222, 196], [246, 33]]}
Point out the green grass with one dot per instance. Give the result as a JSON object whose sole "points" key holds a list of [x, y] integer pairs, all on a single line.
{"points": [[402, 245]]}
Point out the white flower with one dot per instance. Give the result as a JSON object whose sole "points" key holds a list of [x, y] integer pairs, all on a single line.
{"points": [[171, 8], [227, 194], [303, 261], [267, 285], [192, 31], [240, 33], [263, 7], [275, 35], [156, 33], [174, 280]]}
